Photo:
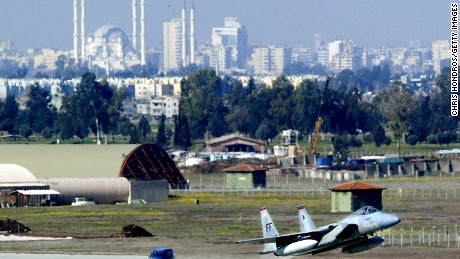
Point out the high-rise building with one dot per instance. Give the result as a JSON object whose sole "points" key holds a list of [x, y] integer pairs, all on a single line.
{"points": [[301, 54], [441, 53], [172, 45], [233, 35], [261, 60], [318, 42], [280, 57], [344, 54]]}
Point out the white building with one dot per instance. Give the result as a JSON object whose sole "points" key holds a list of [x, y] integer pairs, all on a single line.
{"points": [[344, 54], [441, 53], [280, 57], [167, 105], [233, 35], [172, 45], [261, 61], [334, 48], [301, 54], [47, 58], [270, 60]]}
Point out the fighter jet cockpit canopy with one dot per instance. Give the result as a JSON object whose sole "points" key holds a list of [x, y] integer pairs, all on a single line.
{"points": [[365, 211]]}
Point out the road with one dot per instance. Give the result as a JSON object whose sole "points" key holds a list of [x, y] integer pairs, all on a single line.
{"points": [[54, 256]]}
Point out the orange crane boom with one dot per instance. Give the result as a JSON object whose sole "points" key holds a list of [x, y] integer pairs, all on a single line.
{"points": [[319, 121]]}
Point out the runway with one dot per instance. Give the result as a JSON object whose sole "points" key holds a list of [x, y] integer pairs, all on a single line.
{"points": [[59, 256]]}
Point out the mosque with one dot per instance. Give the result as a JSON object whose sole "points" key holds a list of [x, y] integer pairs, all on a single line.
{"points": [[110, 48]]}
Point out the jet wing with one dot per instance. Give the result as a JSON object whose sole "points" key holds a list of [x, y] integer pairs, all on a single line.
{"points": [[340, 232], [261, 240], [283, 239]]}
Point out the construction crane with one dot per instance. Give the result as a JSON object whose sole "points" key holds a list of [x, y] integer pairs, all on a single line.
{"points": [[319, 121]]}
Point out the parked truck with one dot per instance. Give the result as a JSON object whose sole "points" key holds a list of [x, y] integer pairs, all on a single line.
{"points": [[79, 201]]}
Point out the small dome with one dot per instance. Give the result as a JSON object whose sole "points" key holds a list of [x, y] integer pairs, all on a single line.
{"points": [[11, 173]]}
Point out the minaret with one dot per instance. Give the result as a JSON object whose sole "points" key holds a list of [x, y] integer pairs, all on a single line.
{"points": [[192, 34], [83, 32], [134, 37], [143, 61], [184, 38], [75, 30]]}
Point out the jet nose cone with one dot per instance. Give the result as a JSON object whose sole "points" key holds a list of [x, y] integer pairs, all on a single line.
{"points": [[390, 220]]}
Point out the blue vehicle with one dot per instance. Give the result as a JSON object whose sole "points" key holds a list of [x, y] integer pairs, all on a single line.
{"points": [[162, 253]]}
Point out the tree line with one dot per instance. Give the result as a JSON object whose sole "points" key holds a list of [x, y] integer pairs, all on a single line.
{"points": [[216, 106], [211, 106], [93, 107]]}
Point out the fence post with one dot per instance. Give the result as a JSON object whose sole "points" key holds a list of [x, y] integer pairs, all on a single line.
{"points": [[411, 233], [439, 236], [445, 233], [402, 237], [420, 238], [423, 235]]}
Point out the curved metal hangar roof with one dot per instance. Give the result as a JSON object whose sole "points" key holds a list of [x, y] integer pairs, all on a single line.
{"points": [[11, 173]]}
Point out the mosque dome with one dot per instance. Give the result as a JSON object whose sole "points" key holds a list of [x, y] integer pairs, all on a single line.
{"points": [[109, 31]]}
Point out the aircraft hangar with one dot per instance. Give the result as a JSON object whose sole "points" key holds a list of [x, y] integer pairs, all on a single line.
{"points": [[146, 175]]}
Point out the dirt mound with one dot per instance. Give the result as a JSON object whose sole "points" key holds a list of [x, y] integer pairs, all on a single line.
{"points": [[132, 231], [12, 226], [219, 165]]}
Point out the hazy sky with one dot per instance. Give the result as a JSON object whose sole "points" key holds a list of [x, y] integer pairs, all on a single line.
{"points": [[49, 23]]}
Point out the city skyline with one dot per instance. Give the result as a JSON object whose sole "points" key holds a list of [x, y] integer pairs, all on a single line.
{"points": [[293, 22]]}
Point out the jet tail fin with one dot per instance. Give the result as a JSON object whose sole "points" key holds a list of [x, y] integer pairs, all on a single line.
{"points": [[268, 230], [306, 224]]}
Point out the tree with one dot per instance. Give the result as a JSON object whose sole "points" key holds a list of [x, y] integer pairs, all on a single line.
{"points": [[89, 108], [161, 135], [441, 120], [266, 130], [306, 99], [281, 106], [378, 134], [412, 140], [8, 114], [47, 132], [125, 127], [182, 131], [41, 112], [134, 135], [202, 100], [341, 144], [418, 125], [398, 107], [145, 131], [217, 124], [66, 122]]}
